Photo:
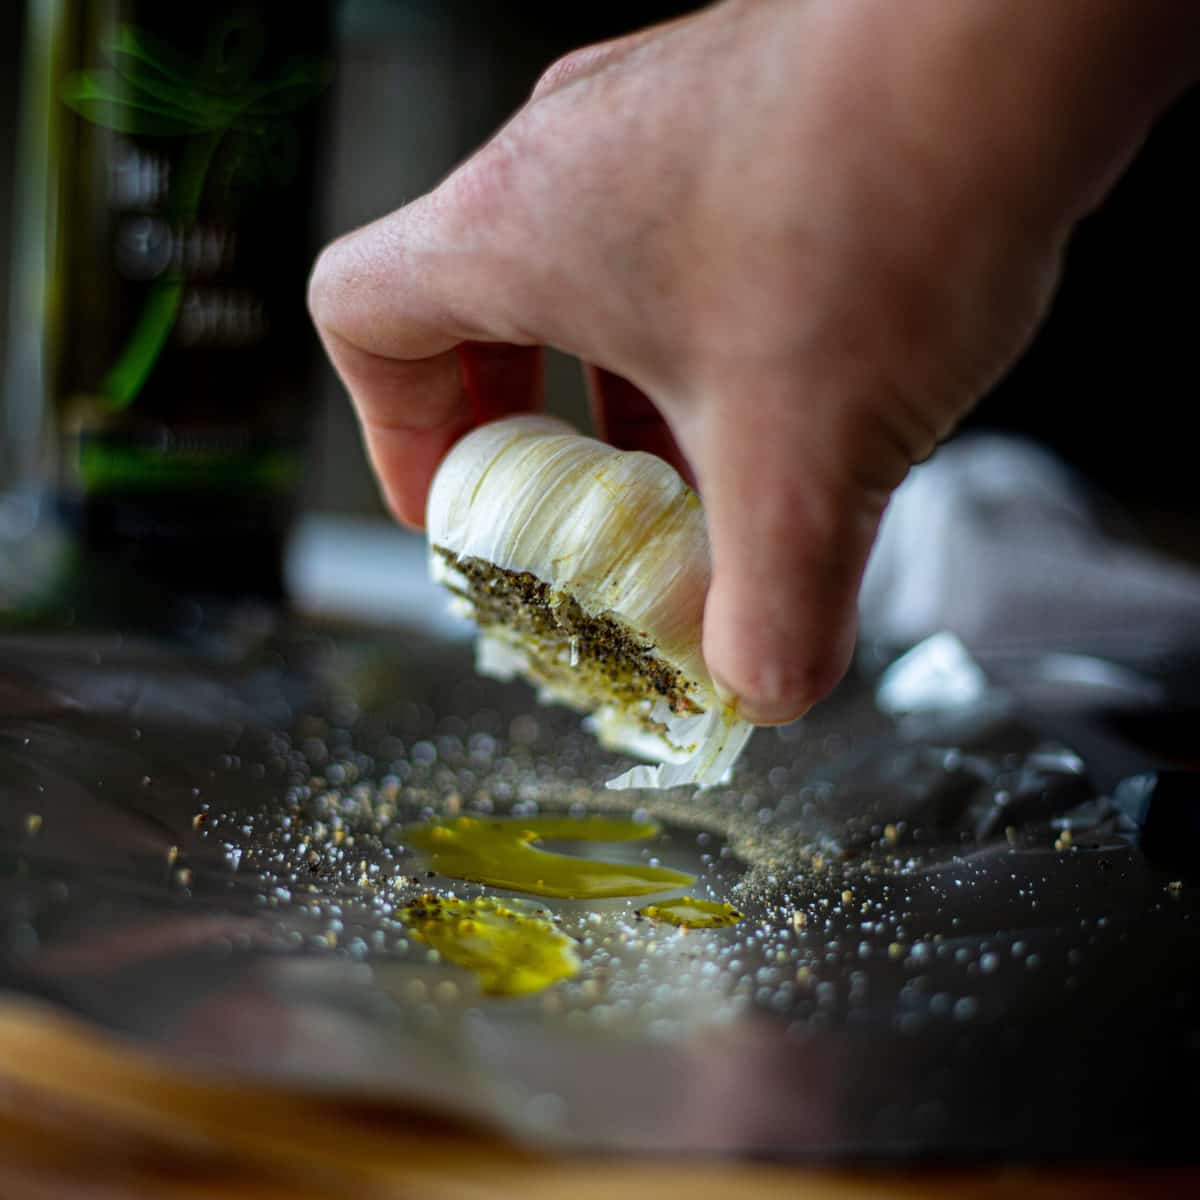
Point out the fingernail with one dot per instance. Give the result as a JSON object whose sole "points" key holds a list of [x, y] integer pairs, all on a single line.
{"points": [[769, 707]]}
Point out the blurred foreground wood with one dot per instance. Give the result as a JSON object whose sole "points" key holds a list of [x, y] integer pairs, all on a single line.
{"points": [[84, 1114]]}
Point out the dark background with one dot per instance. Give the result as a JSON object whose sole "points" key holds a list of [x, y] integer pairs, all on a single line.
{"points": [[1109, 383]]}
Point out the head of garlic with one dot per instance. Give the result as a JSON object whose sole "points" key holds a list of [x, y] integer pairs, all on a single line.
{"points": [[586, 569]]}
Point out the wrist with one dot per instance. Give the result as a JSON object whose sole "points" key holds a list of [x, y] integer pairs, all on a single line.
{"points": [[1057, 94]]}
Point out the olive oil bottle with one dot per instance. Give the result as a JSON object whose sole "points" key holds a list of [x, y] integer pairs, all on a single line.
{"points": [[170, 169]]}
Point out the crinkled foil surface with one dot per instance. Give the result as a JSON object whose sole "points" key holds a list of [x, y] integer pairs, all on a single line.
{"points": [[952, 941]]}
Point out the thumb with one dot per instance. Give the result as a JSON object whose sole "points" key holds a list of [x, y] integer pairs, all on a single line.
{"points": [[791, 522]]}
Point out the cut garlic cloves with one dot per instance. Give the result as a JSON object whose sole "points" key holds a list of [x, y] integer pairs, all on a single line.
{"points": [[586, 569]]}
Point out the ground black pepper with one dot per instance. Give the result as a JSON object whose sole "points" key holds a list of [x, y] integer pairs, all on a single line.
{"points": [[587, 654]]}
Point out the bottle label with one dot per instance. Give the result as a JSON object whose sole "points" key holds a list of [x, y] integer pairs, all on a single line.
{"points": [[122, 462], [186, 198]]}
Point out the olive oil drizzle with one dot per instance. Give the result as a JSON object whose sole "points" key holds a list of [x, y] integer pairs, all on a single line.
{"points": [[689, 913], [511, 952], [503, 852]]}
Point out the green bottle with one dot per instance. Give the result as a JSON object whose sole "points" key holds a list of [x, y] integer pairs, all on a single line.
{"points": [[170, 175]]}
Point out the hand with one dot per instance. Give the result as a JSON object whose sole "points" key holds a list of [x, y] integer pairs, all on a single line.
{"points": [[812, 233]]}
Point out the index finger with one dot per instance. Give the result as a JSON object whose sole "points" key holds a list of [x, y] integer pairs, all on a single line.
{"points": [[390, 302]]}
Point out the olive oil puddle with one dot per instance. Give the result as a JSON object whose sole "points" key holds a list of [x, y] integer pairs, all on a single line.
{"points": [[510, 952], [502, 852], [690, 913]]}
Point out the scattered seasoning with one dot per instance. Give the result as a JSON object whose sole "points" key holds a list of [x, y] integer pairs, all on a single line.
{"points": [[33, 823], [183, 877], [172, 855], [1175, 888], [199, 820], [590, 655]]}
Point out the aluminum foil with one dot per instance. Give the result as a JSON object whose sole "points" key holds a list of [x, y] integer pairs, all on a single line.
{"points": [[953, 941]]}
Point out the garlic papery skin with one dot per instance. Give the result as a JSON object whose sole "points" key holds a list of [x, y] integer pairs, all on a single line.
{"points": [[586, 569]]}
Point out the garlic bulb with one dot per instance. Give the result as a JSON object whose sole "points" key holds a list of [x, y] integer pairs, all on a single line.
{"points": [[586, 569]]}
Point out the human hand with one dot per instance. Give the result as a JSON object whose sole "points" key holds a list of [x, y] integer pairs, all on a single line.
{"points": [[813, 233]]}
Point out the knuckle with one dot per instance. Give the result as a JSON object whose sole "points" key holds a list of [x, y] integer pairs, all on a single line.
{"points": [[568, 68]]}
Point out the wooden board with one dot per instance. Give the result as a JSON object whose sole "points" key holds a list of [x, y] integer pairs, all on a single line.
{"points": [[84, 1114]]}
